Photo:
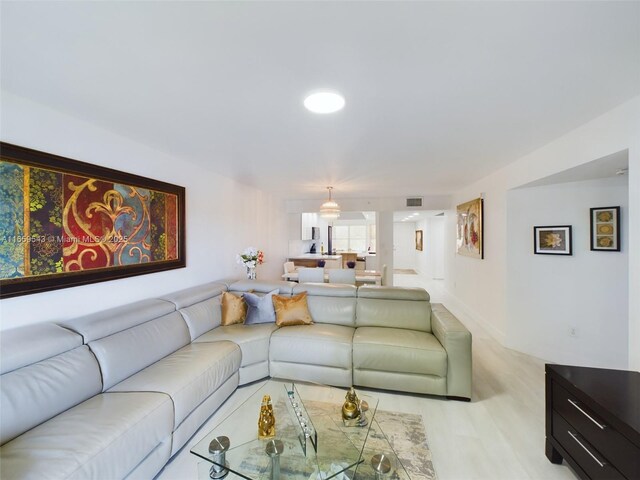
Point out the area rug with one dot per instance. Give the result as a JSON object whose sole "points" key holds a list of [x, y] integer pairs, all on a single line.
{"points": [[404, 431], [404, 271]]}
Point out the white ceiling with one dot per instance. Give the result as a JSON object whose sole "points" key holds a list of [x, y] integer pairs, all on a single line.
{"points": [[438, 93], [616, 164], [415, 216]]}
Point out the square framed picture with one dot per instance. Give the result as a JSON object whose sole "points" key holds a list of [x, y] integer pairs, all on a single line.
{"points": [[605, 229], [419, 240], [553, 240]]}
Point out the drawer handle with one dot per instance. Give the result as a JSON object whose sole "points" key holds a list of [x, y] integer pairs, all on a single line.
{"points": [[575, 437], [601, 426]]}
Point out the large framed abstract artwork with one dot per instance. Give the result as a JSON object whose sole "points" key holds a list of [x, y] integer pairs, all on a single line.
{"points": [[470, 226], [65, 223]]}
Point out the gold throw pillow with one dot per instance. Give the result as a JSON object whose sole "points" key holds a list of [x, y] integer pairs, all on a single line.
{"points": [[292, 310], [234, 309]]}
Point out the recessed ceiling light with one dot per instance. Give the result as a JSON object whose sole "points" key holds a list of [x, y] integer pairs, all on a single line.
{"points": [[324, 101]]}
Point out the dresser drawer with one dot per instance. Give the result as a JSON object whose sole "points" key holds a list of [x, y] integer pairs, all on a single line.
{"points": [[611, 444], [594, 464]]}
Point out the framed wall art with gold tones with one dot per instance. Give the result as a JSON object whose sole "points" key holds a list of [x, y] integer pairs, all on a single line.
{"points": [[470, 226], [65, 223], [419, 240], [605, 229], [555, 240]]}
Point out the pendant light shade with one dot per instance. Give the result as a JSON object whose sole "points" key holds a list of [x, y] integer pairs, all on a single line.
{"points": [[330, 209]]}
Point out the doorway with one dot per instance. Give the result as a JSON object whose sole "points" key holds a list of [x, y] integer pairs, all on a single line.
{"points": [[418, 250]]}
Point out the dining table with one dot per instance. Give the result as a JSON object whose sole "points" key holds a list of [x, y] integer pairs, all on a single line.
{"points": [[362, 276]]}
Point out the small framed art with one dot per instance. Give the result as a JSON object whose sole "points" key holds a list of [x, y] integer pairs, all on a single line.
{"points": [[554, 240], [605, 229], [419, 240]]}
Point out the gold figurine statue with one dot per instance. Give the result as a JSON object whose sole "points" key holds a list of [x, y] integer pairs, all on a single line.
{"points": [[266, 421], [352, 410]]}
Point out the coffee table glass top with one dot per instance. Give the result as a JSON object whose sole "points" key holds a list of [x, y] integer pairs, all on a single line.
{"points": [[339, 448]]}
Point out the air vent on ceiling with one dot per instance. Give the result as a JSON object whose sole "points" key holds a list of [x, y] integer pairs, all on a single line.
{"points": [[441, 214], [414, 202]]}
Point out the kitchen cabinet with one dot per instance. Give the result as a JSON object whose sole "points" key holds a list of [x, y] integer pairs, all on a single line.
{"points": [[308, 222]]}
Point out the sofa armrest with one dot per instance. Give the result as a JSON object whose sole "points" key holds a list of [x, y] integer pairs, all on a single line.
{"points": [[456, 340]]}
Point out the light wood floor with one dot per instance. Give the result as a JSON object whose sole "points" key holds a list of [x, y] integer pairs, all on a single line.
{"points": [[498, 435]]}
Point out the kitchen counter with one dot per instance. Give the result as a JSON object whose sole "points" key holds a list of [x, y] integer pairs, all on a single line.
{"points": [[311, 260]]}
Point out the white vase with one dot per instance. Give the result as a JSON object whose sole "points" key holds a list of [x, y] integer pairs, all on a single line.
{"points": [[251, 273]]}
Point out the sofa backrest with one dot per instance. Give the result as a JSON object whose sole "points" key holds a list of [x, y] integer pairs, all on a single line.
{"points": [[199, 306], [45, 370], [397, 307], [260, 286], [330, 303], [129, 338]]}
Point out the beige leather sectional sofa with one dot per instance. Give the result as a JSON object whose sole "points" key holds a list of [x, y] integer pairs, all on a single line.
{"points": [[117, 393]]}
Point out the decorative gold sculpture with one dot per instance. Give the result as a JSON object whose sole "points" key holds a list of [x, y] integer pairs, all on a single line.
{"points": [[266, 421], [352, 415]]}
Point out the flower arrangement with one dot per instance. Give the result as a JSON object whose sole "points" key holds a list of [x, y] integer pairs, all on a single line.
{"points": [[250, 258]]}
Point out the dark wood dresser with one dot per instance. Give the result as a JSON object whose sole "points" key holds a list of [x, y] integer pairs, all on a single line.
{"points": [[593, 421]]}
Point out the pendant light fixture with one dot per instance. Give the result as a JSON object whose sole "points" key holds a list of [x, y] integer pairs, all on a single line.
{"points": [[330, 209]]}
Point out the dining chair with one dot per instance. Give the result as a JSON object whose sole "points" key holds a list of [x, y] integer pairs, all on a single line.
{"points": [[342, 275], [289, 267], [307, 275]]}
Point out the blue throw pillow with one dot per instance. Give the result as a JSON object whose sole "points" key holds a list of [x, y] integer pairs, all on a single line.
{"points": [[260, 309]]}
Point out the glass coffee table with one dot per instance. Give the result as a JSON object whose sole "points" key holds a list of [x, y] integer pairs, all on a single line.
{"points": [[311, 442]]}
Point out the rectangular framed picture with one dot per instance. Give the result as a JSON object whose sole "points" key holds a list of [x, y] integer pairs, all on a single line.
{"points": [[65, 223], [554, 240], [419, 240], [605, 229], [470, 229]]}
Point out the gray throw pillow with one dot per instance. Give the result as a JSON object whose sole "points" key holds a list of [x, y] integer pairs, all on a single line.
{"points": [[260, 309]]}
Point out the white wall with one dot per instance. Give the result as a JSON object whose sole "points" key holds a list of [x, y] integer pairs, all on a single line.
{"points": [[430, 261], [547, 295], [405, 255], [478, 286], [223, 217]]}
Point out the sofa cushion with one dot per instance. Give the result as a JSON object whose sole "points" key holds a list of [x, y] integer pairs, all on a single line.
{"points": [[202, 316], [193, 295], [253, 340], [395, 307], [318, 344], [398, 350], [262, 286], [234, 309], [104, 437], [188, 376], [32, 394], [107, 322], [335, 304], [127, 352], [292, 310], [32, 343], [260, 309]]}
